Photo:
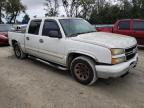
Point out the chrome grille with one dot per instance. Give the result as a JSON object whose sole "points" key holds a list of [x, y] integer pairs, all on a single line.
{"points": [[131, 52]]}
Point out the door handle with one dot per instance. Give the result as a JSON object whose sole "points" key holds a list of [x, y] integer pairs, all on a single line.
{"points": [[27, 38], [41, 41]]}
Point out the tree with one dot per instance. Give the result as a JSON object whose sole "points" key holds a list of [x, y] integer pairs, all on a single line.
{"points": [[87, 6], [100, 11], [2, 4], [52, 7], [78, 8], [71, 7], [105, 12], [138, 8], [26, 19], [13, 9], [126, 8]]}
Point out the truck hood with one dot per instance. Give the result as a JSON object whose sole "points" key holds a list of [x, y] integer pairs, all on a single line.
{"points": [[108, 40]]}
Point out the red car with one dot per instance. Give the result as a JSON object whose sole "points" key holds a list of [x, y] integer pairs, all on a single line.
{"points": [[130, 27], [4, 28]]}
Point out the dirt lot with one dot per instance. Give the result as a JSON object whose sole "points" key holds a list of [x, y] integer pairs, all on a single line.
{"points": [[31, 84]]}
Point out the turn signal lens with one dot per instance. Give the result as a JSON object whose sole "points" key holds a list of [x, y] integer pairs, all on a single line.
{"points": [[118, 60]]}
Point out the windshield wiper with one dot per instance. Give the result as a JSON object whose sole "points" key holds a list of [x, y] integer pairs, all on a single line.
{"points": [[76, 34], [89, 32]]}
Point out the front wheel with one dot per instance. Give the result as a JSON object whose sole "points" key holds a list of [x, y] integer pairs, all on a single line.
{"points": [[18, 52], [83, 70]]}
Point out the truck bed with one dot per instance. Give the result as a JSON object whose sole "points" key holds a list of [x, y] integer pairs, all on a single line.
{"points": [[104, 28], [18, 36]]}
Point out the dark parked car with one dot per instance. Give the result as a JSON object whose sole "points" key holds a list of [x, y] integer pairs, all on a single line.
{"points": [[4, 28]]}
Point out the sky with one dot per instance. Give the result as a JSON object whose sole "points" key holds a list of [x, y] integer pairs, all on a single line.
{"points": [[34, 7]]}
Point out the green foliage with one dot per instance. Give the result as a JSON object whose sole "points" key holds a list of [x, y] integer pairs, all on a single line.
{"points": [[108, 13], [2, 4], [78, 8], [52, 7], [70, 7], [138, 8], [104, 11], [13, 9], [87, 7], [96, 11], [26, 19]]}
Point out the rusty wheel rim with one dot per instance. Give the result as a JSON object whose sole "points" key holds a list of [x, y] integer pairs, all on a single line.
{"points": [[81, 71], [17, 51]]}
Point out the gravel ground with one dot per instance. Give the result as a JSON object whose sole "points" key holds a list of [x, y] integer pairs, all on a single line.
{"points": [[31, 84]]}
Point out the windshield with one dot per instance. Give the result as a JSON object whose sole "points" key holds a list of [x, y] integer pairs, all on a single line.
{"points": [[5, 27], [73, 27]]}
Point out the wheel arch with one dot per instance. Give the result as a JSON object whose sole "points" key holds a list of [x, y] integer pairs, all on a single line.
{"points": [[14, 42], [73, 55]]}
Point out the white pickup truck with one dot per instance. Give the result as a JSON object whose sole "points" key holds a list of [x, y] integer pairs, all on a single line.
{"points": [[74, 44]]}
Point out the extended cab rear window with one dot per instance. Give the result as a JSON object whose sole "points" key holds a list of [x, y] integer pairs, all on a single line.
{"points": [[124, 25], [34, 27], [138, 25]]}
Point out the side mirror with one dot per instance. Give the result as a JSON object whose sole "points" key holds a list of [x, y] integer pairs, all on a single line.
{"points": [[55, 34]]}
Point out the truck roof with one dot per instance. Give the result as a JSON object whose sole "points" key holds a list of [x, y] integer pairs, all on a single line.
{"points": [[131, 19], [56, 18]]}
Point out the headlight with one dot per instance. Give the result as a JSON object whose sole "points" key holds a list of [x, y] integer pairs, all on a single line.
{"points": [[117, 51], [118, 60]]}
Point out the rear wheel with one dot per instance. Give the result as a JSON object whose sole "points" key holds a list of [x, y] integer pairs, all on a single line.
{"points": [[83, 70], [18, 52]]}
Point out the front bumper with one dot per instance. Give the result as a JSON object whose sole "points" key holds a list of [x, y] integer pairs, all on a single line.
{"points": [[118, 70]]}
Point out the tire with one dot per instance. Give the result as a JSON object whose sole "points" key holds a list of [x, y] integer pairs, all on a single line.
{"points": [[83, 70], [18, 52]]}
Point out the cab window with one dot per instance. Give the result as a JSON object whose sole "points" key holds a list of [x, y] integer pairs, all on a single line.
{"points": [[138, 25], [34, 27], [124, 25]]}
